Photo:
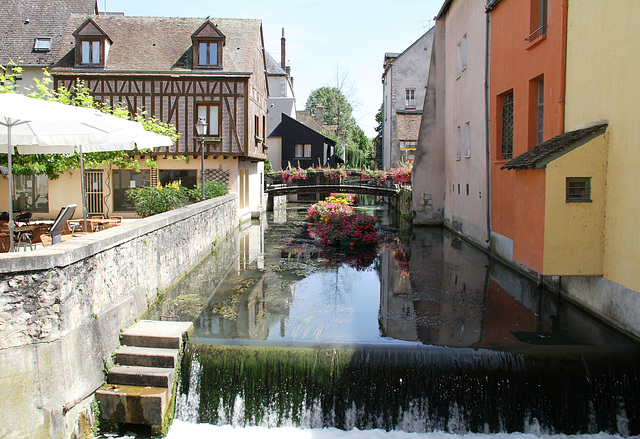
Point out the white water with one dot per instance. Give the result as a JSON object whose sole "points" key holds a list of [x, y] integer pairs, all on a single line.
{"points": [[183, 430], [185, 424]]}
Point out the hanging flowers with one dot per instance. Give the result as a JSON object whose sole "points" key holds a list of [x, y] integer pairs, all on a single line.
{"points": [[335, 222]]}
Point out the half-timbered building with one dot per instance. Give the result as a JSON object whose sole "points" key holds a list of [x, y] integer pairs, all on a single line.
{"points": [[176, 70]]}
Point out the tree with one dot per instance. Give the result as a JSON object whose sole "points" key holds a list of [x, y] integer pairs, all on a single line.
{"points": [[337, 110], [55, 164], [377, 140], [355, 157]]}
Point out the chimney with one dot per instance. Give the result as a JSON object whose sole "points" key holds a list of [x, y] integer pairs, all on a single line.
{"points": [[283, 52], [320, 114]]}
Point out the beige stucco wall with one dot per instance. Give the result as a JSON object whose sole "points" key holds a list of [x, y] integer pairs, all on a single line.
{"points": [[602, 84], [66, 189], [428, 178], [465, 102], [574, 232], [62, 191], [275, 152]]}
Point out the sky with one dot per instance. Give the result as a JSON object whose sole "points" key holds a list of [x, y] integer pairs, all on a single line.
{"points": [[326, 40]]}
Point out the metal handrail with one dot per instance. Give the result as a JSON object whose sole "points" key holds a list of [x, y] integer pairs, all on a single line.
{"points": [[542, 29]]}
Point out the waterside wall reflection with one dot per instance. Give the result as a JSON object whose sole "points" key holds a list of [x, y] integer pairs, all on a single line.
{"points": [[461, 298], [269, 283]]}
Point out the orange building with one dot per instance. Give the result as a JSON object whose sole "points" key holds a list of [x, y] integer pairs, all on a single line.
{"points": [[527, 77]]}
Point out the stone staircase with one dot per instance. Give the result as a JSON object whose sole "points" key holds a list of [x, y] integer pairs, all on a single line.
{"points": [[140, 386]]}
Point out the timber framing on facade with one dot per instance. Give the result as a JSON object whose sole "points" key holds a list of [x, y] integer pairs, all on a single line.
{"points": [[153, 67], [174, 100]]}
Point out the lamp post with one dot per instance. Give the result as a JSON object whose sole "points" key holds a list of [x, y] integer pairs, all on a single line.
{"points": [[201, 130]]}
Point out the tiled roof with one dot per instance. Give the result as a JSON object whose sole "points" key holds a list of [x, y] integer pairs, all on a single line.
{"points": [[286, 119], [278, 107], [542, 154], [23, 21], [160, 44], [492, 4], [305, 117], [273, 68]]}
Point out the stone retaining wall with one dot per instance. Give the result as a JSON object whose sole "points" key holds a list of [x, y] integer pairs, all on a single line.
{"points": [[62, 308]]}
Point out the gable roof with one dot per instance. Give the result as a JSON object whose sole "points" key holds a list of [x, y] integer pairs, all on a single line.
{"points": [[208, 29], [163, 44], [90, 29], [546, 152], [273, 68], [390, 58], [305, 117], [24, 21], [290, 120], [278, 106]]}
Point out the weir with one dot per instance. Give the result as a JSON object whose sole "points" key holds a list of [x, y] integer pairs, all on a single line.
{"points": [[424, 333], [416, 390]]}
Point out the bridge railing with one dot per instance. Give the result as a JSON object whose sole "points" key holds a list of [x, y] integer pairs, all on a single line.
{"points": [[299, 177]]}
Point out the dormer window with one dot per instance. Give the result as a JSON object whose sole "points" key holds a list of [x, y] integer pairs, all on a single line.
{"points": [[42, 45], [92, 45], [208, 42], [90, 52], [208, 53]]}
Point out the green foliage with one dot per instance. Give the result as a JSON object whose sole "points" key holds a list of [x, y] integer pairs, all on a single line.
{"points": [[153, 200], [268, 167], [53, 165], [377, 140], [355, 158], [212, 189], [8, 77], [337, 110]]}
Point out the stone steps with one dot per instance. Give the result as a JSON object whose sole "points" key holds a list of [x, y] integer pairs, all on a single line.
{"points": [[143, 356], [155, 334], [141, 376], [139, 387]]}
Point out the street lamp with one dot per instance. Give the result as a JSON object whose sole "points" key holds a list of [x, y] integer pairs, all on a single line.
{"points": [[201, 130]]}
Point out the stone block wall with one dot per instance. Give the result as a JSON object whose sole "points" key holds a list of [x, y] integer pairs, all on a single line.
{"points": [[62, 308]]}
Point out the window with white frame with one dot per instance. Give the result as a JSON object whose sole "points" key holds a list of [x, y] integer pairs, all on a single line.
{"points": [[31, 192], [458, 134], [90, 52], [537, 19], [42, 45], [208, 53], [467, 140], [459, 59], [211, 114], [302, 150], [540, 113], [464, 52], [410, 98]]}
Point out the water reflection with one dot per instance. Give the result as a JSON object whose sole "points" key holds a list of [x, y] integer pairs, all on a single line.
{"points": [[270, 284]]}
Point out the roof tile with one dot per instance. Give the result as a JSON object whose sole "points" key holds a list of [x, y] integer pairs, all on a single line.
{"points": [[548, 151], [23, 21], [160, 44]]}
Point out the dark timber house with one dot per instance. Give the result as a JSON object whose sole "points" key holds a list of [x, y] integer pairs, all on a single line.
{"points": [[303, 146]]}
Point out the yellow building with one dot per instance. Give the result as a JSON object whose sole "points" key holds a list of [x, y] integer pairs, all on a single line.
{"points": [[601, 238]]}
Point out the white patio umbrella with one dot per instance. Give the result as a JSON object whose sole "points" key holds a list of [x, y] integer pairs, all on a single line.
{"points": [[40, 127]]}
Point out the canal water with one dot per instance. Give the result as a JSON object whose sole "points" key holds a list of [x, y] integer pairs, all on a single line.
{"points": [[423, 336]]}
